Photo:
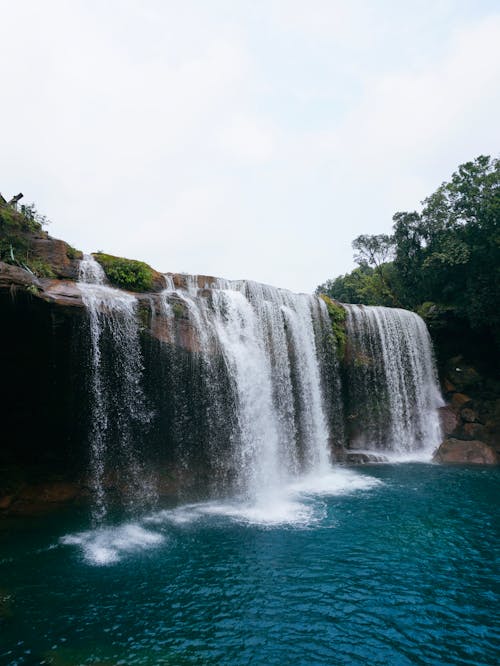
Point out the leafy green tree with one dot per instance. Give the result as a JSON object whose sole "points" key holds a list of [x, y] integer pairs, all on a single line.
{"points": [[449, 253]]}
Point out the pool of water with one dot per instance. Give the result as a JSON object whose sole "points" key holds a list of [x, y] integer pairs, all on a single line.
{"points": [[389, 564]]}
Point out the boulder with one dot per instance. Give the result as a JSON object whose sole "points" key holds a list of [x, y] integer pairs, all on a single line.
{"points": [[60, 256], [466, 452], [474, 431], [460, 400]]}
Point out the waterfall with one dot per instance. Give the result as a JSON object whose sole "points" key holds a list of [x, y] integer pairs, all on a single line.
{"points": [[267, 339], [392, 386], [249, 394], [118, 410]]}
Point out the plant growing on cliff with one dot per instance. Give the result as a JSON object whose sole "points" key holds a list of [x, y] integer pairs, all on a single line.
{"points": [[337, 316], [126, 273]]}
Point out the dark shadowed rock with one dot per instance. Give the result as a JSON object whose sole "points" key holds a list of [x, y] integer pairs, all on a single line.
{"points": [[461, 375], [459, 400], [474, 431], [469, 415], [364, 458]]}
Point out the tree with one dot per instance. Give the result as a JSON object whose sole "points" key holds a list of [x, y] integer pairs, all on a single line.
{"points": [[449, 253], [375, 252]]}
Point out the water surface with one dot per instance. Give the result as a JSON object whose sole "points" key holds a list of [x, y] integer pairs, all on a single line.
{"points": [[389, 564]]}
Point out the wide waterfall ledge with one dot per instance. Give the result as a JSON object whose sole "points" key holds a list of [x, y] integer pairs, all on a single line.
{"points": [[237, 389]]}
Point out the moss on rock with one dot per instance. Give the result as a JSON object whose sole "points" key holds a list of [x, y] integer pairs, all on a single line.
{"points": [[337, 316], [126, 273]]}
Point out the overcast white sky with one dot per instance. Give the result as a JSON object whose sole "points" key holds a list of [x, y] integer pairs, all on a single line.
{"points": [[241, 138]]}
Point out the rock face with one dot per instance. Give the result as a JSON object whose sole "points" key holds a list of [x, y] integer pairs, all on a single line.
{"points": [[471, 420], [466, 452]]}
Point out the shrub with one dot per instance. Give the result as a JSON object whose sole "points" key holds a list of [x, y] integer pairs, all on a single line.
{"points": [[126, 273]]}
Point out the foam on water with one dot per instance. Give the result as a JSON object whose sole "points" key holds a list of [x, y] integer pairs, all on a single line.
{"points": [[298, 505], [109, 544]]}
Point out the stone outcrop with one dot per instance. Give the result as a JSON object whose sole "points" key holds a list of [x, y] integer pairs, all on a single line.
{"points": [[471, 419], [466, 452]]}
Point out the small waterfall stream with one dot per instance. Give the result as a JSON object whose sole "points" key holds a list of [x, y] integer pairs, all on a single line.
{"points": [[118, 408], [392, 380]]}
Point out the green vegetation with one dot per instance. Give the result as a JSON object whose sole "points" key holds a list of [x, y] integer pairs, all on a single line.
{"points": [[24, 219], [16, 228], [178, 310], [126, 273], [73, 253], [337, 316], [40, 268], [443, 259]]}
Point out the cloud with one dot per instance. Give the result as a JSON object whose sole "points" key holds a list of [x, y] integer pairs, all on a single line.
{"points": [[243, 141]]}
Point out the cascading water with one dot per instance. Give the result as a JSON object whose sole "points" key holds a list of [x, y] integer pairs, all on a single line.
{"points": [[118, 409], [250, 396], [392, 387], [267, 339]]}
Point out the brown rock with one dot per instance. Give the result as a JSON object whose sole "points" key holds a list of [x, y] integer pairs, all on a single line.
{"points": [[14, 276], [449, 419], [55, 253], [474, 431], [468, 452], [62, 292], [460, 400]]}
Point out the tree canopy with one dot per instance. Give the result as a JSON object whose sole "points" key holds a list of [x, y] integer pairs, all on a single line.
{"points": [[448, 254]]}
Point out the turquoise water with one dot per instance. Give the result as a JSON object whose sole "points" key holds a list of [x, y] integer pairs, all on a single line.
{"points": [[392, 564]]}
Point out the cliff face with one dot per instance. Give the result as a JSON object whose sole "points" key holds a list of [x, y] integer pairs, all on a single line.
{"points": [[44, 350], [44, 355], [468, 366]]}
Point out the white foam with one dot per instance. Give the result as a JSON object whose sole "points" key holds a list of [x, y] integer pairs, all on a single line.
{"points": [[107, 545], [335, 482], [421, 456], [297, 504]]}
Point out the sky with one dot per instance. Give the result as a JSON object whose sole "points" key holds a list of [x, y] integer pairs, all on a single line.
{"points": [[241, 138]]}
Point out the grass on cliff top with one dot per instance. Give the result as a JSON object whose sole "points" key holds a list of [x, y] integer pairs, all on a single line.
{"points": [[126, 273]]}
